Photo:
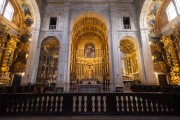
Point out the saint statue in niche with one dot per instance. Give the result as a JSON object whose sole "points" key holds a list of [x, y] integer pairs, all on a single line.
{"points": [[89, 50], [26, 9]]}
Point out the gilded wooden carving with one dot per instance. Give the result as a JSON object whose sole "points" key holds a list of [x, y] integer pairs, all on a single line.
{"points": [[172, 59], [14, 45], [89, 55]]}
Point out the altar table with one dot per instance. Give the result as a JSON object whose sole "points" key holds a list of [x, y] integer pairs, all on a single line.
{"points": [[89, 88]]}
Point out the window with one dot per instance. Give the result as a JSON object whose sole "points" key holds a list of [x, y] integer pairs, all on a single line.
{"points": [[171, 11], [53, 22], [9, 11], [2, 3], [178, 5], [126, 23]]}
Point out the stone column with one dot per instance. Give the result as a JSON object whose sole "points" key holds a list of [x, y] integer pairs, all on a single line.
{"points": [[118, 81], [150, 77], [33, 59], [63, 67]]}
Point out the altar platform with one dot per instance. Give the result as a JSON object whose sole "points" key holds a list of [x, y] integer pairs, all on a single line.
{"points": [[89, 86]]}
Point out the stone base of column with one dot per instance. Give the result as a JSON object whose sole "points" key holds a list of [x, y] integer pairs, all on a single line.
{"points": [[62, 87], [59, 87], [111, 87], [66, 87], [119, 87], [152, 81]]}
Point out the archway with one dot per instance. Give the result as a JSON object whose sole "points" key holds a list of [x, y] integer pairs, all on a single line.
{"points": [[149, 72], [31, 67], [130, 69], [48, 62], [89, 49]]}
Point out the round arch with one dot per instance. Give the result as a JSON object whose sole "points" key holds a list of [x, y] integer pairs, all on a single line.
{"points": [[37, 16], [88, 14], [138, 52], [149, 72], [46, 36], [89, 27], [31, 67], [132, 39], [48, 61], [144, 13]]}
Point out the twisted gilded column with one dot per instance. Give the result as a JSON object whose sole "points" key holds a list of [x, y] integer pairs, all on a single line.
{"points": [[7, 60], [172, 59]]}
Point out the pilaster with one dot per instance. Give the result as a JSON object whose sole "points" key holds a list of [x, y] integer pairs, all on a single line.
{"points": [[150, 77], [63, 67], [117, 82]]}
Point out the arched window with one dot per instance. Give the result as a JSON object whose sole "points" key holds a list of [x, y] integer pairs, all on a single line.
{"points": [[2, 3], [178, 5], [171, 11], [9, 11]]}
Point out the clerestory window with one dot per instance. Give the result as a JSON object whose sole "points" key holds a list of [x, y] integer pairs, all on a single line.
{"points": [[2, 3], [53, 23], [126, 23], [9, 11], [171, 11], [178, 5]]}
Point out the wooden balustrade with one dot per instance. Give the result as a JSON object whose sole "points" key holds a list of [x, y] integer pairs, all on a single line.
{"points": [[90, 104]]}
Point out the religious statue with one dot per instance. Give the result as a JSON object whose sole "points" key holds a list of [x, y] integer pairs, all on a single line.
{"points": [[28, 22], [151, 21], [154, 8], [26, 9], [89, 73]]}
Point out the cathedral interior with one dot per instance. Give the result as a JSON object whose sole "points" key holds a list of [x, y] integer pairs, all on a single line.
{"points": [[89, 46], [93, 51], [115, 43]]}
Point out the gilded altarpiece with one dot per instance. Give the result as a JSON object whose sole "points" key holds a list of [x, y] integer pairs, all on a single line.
{"points": [[165, 49], [89, 50], [8, 45], [130, 72], [172, 59], [14, 40], [48, 61], [89, 61]]}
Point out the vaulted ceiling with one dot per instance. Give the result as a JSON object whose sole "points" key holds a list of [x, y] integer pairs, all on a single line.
{"points": [[89, 26], [43, 3]]}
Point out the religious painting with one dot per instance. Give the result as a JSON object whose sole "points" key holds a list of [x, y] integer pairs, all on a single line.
{"points": [[89, 50]]}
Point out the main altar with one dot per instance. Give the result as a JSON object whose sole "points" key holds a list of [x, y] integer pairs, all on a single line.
{"points": [[87, 86]]}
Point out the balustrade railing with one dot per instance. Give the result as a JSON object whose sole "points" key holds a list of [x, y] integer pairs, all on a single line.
{"points": [[52, 27], [127, 26], [90, 104]]}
